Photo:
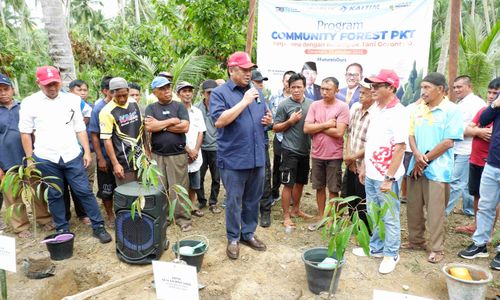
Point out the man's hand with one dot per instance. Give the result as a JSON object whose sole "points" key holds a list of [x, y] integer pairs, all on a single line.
{"points": [[118, 171], [192, 155], [386, 186], [102, 165], [361, 176], [421, 161], [296, 116], [267, 119], [250, 96], [2, 173], [332, 123], [416, 172], [484, 133], [87, 159]]}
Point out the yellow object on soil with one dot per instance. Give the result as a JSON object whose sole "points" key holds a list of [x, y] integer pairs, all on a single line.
{"points": [[462, 273]]}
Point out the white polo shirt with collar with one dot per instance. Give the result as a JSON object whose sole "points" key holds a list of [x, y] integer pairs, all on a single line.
{"points": [[469, 106], [387, 128], [55, 123]]}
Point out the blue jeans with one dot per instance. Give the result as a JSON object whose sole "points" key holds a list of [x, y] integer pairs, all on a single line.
{"points": [[459, 186], [486, 213], [389, 246], [243, 190], [77, 178]]}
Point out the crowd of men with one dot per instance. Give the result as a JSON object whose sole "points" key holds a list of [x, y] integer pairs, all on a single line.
{"points": [[358, 140]]}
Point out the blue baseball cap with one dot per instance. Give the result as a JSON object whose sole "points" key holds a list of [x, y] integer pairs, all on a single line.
{"points": [[159, 81], [5, 80]]}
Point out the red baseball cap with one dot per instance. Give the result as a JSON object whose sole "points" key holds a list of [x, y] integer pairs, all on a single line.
{"points": [[47, 74], [385, 76], [240, 59]]}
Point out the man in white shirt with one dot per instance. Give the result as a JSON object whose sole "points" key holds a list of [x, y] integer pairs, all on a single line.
{"points": [[469, 104], [194, 139], [54, 118], [382, 169]]}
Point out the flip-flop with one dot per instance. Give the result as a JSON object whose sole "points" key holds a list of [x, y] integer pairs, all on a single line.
{"points": [[49, 226], [25, 234], [302, 215], [186, 227], [288, 223], [435, 257], [315, 226]]}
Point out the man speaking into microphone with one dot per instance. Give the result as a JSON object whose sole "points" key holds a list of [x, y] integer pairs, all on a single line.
{"points": [[240, 115]]}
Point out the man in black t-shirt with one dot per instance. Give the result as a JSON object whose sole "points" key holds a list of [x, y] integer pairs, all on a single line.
{"points": [[168, 122]]}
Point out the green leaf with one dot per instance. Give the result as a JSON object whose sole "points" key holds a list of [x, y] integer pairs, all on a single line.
{"points": [[171, 209], [133, 209]]}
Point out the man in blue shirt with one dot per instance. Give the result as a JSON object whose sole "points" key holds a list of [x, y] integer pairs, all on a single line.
{"points": [[11, 154], [489, 190], [239, 114]]}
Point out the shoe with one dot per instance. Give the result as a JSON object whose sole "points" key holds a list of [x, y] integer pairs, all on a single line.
{"points": [[388, 264], [186, 227], [474, 251], [214, 209], [265, 219], [233, 250], [495, 263], [359, 252], [62, 231], [101, 234], [255, 244], [197, 213]]}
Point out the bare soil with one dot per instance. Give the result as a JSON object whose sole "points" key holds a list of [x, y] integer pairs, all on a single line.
{"points": [[277, 273]]}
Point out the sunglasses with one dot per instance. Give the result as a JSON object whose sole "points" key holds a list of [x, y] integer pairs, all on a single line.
{"points": [[376, 86]]}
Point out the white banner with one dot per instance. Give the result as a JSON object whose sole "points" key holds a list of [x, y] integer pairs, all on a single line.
{"points": [[388, 34]]}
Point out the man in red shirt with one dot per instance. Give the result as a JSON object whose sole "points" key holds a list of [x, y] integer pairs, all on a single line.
{"points": [[479, 154]]}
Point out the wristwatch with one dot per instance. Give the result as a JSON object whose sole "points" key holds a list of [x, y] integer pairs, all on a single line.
{"points": [[387, 178]]}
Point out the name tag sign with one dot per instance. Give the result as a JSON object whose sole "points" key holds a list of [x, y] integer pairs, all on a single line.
{"points": [[175, 281], [7, 253]]}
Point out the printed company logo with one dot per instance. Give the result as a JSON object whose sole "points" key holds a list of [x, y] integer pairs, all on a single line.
{"points": [[286, 9], [400, 5], [359, 7]]}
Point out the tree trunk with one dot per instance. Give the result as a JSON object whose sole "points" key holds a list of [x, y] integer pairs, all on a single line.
{"points": [[443, 54], [2, 16], [137, 13], [487, 16], [59, 44], [454, 34], [251, 26]]}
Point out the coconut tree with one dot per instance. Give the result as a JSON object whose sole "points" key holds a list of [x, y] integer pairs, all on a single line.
{"points": [[59, 44]]}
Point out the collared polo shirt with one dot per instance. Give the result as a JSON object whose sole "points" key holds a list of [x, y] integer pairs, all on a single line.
{"points": [[210, 136], [385, 131], [55, 122], [124, 126], [430, 127], [196, 125], [240, 144], [11, 148], [468, 106]]}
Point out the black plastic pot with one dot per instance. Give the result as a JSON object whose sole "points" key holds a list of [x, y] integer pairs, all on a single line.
{"points": [[318, 279], [196, 259], [60, 250]]}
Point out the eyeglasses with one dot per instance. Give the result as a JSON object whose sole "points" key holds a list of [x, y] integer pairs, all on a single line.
{"points": [[351, 74], [376, 86]]}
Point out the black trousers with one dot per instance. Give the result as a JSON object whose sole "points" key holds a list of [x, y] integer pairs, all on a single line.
{"points": [[209, 162], [351, 186], [276, 168], [266, 200]]}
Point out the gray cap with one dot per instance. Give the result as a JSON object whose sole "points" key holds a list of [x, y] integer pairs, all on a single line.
{"points": [[117, 83], [183, 84]]}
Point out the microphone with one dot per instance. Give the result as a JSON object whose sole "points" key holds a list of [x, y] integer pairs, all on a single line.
{"points": [[257, 99]]}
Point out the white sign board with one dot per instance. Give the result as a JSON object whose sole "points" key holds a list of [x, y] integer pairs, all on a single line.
{"points": [[378, 34], [7, 253], [385, 295], [175, 281]]}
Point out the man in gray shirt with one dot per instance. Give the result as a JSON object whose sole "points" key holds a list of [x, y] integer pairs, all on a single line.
{"points": [[296, 146], [209, 152]]}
